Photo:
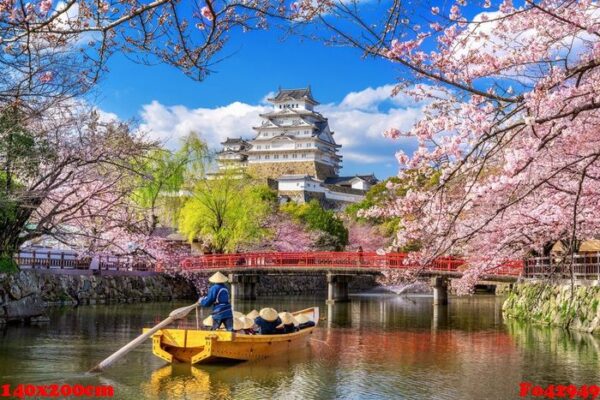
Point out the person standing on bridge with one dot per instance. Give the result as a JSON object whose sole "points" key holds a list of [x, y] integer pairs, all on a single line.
{"points": [[218, 298]]}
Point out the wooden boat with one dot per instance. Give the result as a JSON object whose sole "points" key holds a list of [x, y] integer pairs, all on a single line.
{"points": [[203, 346]]}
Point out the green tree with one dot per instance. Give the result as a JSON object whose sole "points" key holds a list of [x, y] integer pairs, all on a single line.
{"points": [[226, 212], [334, 234], [161, 177]]}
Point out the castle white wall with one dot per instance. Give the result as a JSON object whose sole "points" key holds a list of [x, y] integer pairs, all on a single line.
{"points": [[360, 184], [308, 185]]}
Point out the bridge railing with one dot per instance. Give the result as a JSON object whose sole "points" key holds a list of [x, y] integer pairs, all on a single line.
{"points": [[585, 266], [344, 260], [65, 260]]}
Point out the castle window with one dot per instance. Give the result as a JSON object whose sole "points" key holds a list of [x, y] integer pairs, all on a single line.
{"points": [[294, 155], [267, 146], [303, 155], [258, 147], [276, 156], [267, 157], [285, 156]]}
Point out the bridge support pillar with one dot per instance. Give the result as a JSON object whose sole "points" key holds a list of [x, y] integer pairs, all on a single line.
{"points": [[243, 287], [440, 290], [337, 288]]}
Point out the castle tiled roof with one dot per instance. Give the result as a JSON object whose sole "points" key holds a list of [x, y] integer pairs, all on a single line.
{"points": [[296, 94], [341, 180], [233, 141]]}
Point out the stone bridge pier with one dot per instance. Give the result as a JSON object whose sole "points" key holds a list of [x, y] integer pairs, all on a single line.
{"points": [[243, 286], [337, 288], [440, 290]]}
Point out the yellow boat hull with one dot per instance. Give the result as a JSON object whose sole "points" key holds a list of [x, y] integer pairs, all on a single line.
{"points": [[199, 346]]}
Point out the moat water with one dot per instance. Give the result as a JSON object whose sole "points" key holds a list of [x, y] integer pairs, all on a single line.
{"points": [[375, 347]]}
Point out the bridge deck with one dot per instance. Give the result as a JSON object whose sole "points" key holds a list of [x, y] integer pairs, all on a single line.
{"points": [[339, 263]]}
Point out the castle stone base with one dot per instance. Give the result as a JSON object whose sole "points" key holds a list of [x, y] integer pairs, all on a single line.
{"points": [[276, 169]]}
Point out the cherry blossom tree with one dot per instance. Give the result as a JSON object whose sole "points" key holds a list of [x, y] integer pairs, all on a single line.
{"points": [[288, 235], [365, 236], [51, 47], [66, 176], [511, 122]]}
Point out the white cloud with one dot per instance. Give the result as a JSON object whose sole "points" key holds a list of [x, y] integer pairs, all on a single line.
{"points": [[171, 123], [106, 116], [358, 121], [370, 99]]}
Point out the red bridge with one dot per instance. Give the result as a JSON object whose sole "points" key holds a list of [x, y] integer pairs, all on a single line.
{"points": [[352, 262], [245, 269]]}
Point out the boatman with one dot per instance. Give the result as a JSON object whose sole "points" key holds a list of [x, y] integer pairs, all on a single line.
{"points": [[218, 298]]}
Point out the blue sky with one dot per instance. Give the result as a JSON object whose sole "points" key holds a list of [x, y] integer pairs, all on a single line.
{"points": [[354, 93]]}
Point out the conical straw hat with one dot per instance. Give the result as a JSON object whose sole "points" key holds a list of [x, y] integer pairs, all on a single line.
{"points": [[286, 318], [252, 314], [238, 324], [238, 314], [218, 277], [268, 314], [302, 319], [208, 321], [248, 323]]}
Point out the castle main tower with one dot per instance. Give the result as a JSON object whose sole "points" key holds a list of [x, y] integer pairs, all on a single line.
{"points": [[293, 139]]}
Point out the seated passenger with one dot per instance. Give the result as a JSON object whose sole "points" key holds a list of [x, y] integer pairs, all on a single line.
{"points": [[238, 325], [252, 315], [287, 323], [267, 321], [304, 321], [249, 326]]}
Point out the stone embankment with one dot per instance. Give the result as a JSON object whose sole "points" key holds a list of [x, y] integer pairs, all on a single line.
{"points": [[24, 295], [274, 285], [556, 305]]}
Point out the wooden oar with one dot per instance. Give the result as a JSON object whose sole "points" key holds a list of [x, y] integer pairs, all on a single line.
{"points": [[173, 316]]}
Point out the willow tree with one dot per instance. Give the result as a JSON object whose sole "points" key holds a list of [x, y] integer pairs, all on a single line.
{"points": [[163, 176], [226, 212]]}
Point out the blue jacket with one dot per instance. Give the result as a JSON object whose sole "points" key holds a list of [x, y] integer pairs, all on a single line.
{"points": [[266, 327], [289, 328], [218, 297]]}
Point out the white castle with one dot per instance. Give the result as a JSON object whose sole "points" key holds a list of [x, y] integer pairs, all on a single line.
{"points": [[295, 148]]}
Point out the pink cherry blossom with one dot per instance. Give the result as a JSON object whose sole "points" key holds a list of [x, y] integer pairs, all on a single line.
{"points": [[45, 6], [47, 77], [206, 13]]}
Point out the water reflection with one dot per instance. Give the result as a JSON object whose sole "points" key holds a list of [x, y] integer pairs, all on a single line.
{"points": [[371, 347]]}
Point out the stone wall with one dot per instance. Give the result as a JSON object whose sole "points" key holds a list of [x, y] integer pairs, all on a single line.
{"points": [[555, 305], [275, 169], [24, 295]]}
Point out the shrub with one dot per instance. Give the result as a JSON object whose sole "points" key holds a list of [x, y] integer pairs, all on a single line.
{"points": [[7, 264]]}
